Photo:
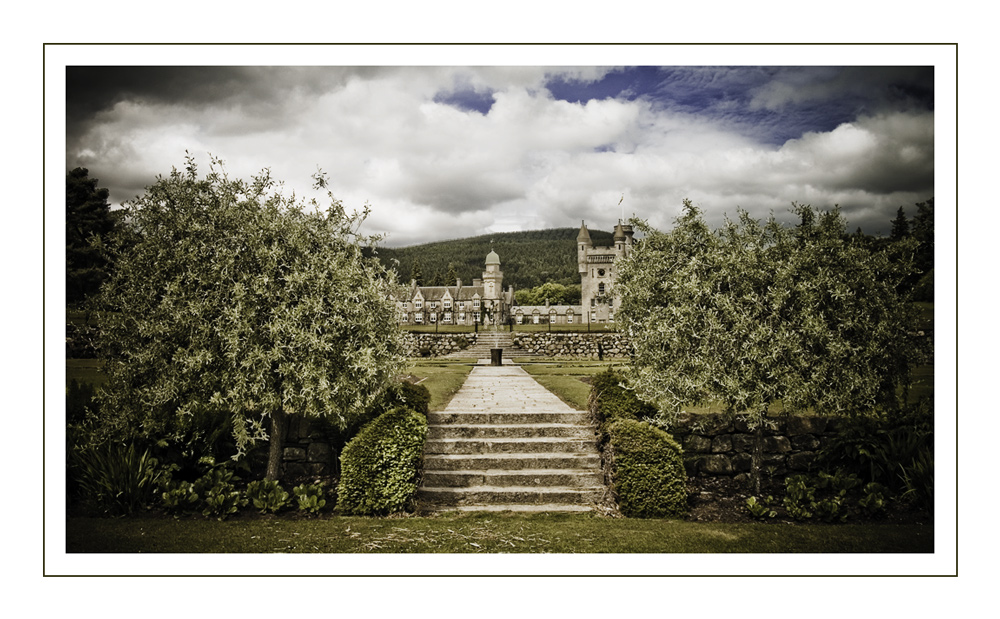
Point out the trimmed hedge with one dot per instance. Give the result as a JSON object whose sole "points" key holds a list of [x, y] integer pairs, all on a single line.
{"points": [[380, 467], [647, 467], [612, 402], [649, 475]]}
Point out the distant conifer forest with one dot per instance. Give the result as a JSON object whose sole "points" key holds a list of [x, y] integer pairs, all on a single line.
{"points": [[527, 259]]}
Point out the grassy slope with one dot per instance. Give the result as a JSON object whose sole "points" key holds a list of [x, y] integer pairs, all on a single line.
{"points": [[484, 533]]}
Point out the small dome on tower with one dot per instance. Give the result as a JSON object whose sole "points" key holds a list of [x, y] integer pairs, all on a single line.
{"points": [[492, 258]]}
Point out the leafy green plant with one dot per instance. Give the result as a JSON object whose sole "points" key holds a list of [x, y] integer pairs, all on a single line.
{"points": [[830, 509], [875, 499], [649, 476], [180, 497], [761, 510], [115, 479], [310, 497], [800, 497], [222, 501], [219, 497], [840, 482], [918, 478], [267, 495], [380, 467]]}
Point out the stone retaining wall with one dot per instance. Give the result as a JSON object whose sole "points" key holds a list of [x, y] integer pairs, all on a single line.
{"points": [[590, 345], [717, 445], [439, 344], [307, 450]]}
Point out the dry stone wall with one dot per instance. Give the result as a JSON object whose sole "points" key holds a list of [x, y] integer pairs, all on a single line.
{"points": [[590, 345], [718, 445], [439, 344], [307, 449]]}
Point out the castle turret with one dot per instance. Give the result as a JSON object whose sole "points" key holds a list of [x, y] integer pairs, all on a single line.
{"points": [[492, 277]]}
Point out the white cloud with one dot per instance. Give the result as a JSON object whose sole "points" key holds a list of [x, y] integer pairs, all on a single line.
{"points": [[431, 170]]}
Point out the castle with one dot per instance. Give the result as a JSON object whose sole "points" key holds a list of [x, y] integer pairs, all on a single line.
{"points": [[485, 302]]}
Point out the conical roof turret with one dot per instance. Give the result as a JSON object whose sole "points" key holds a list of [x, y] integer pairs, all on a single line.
{"points": [[584, 236], [620, 232]]}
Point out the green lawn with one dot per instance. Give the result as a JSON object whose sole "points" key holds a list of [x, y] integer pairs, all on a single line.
{"points": [[443, 378], [566, 378], [484, 533]]}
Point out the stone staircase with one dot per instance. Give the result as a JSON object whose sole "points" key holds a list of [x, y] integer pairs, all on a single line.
{"points": [[505, 443], [488, 340]]}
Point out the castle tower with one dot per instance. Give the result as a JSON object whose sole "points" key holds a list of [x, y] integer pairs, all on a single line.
{"points": [[492, 277], [597, 272]]}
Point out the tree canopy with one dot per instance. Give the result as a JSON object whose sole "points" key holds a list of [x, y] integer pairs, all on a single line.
{"points": [[230, 299], [755, 314], [88, 220]]}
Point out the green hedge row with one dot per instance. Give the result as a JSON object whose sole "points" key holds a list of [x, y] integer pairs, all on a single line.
{"points": [[380, 467], [648, 468]]}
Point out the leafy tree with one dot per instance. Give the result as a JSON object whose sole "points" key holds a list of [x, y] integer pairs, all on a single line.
{"points": [[555, 294], [88, 220], [231, 300], [755, 315]]}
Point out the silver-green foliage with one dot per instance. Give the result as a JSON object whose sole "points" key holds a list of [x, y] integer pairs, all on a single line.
{"points": [[757, 313], [231, 299]]}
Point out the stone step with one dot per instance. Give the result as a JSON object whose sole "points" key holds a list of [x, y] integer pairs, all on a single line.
{"points": [[491, 495], [510, 461], [508, 445], [504, 418], [574, 478], [520, 430]]}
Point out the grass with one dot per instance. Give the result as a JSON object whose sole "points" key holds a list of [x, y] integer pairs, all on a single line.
{"points": [[484, 533], [566, 379], [443, 378]]}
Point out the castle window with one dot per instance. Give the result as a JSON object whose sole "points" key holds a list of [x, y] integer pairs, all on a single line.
{"points": [[475, 303], [600, 288], [569, 318], [600, 272], [447, 317], [418, 304]]}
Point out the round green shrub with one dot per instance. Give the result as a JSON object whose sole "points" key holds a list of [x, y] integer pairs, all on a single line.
{"points": [[380, 467], [649, 476], [611, 401]]}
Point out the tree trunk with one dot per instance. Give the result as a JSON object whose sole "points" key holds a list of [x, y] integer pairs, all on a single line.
{"points": [[276, 445], [757, 456]]}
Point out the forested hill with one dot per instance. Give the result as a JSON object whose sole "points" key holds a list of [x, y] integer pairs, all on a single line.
{"points": [[527, 259]]}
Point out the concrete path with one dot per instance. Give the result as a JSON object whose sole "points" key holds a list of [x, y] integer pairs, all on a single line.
{"points": [[504, 389]]}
